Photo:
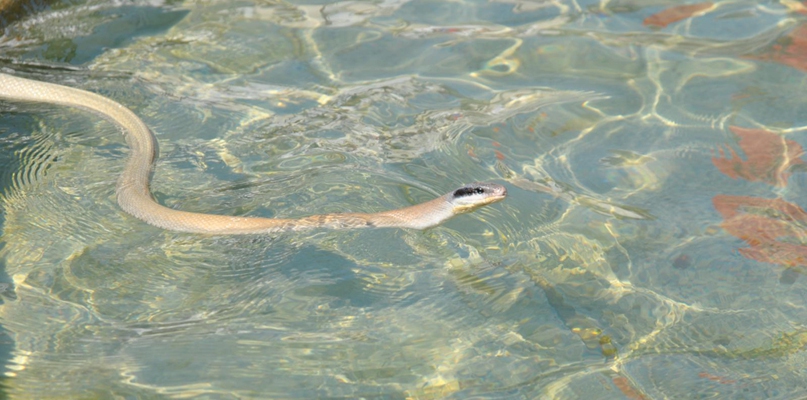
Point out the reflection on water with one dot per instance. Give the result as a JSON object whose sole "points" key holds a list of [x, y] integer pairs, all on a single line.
{"points": [[652, 244]]}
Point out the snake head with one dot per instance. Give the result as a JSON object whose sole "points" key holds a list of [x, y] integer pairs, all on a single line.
{"points": [[475, 195]]}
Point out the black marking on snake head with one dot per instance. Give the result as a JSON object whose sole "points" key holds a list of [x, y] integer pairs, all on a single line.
{"points": [[468, 191]]}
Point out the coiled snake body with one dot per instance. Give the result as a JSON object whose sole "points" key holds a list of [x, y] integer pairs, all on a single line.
{"points": [[135, 198]]}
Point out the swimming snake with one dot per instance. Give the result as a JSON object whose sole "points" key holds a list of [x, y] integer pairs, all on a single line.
{"points": [[135, 198]]}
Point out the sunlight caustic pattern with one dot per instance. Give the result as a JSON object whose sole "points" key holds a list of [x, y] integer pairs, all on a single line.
{"points": [[651, 246]]}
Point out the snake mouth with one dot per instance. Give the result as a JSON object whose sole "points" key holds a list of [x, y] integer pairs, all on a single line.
{"points": [[495, 198]]}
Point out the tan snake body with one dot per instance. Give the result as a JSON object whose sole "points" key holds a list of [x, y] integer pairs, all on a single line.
{"points": [[135, 198]]}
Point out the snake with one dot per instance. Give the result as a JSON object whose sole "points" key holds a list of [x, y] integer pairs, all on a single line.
{"points": [[135, 198]]}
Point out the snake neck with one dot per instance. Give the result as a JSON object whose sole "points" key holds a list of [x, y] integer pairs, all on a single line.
{"points": [[420, 216]]}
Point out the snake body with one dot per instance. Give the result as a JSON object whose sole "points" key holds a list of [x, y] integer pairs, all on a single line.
{"points": [[135, 198]]}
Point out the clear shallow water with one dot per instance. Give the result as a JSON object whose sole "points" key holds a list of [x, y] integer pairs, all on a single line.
{"points": [[652, 244]]}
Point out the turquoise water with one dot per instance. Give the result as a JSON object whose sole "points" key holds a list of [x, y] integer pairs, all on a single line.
{"points": [[652, 244]]}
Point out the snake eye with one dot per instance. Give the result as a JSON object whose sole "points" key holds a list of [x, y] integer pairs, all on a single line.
{"points": [[468, 191]]}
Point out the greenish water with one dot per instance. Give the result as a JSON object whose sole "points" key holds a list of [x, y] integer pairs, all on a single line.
{"points": [[652, 244]]}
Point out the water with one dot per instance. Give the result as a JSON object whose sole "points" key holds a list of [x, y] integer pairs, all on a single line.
{"points": [[652, 244]]}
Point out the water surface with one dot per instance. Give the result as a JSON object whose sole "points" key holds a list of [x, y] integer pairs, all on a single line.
{"points": [[652, 244]]}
